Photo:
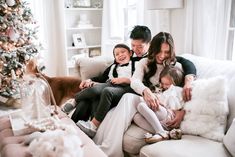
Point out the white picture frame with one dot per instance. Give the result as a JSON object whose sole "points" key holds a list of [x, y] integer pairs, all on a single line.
{"points": [[79, 40], [82, 3], [94, 52]]}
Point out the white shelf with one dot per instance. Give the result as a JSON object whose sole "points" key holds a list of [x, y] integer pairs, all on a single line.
{"points": [[83, 9], [85, 47], [79, 28], [86, 21]]}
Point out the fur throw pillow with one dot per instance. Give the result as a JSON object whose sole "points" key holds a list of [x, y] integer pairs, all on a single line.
{"points": [[57, 143], [206, 113]]}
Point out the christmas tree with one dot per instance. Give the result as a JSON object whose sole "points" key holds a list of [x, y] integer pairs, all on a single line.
{"points": [[18, 44]]}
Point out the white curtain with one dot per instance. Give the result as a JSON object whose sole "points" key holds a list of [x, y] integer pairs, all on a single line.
{"points": [[118, 21], [157, 21], [205, 27], [113, 25], [49, 14]]}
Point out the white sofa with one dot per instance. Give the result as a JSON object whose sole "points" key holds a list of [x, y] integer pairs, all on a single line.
{"points": [[189, 145]]}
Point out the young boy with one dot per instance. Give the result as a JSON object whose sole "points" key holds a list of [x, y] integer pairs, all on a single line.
{"points": [[115, 78]]}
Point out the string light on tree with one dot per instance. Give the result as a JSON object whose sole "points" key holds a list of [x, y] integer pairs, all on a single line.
{"points": [[18, 43]]}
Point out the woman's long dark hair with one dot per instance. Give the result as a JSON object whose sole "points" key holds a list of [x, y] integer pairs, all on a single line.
{"points": [[154, 49]]}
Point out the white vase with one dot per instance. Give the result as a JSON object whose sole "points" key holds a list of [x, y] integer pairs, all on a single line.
{"points": [[10, 3]]}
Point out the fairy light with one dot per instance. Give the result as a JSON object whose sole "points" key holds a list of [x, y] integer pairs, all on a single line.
{"points": [[15, 45]]}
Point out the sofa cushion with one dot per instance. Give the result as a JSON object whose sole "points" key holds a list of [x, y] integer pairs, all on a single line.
{"points": [[206, 113], [91, 67], [188, 146], [229, 139], [207, 68], [133, 139]]}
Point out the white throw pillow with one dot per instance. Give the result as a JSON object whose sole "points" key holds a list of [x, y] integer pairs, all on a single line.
{"points": [[91, 67], [229, 139], [206, 114]]}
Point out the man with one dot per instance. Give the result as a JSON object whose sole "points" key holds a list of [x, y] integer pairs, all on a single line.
{"points": [[140, 39]]}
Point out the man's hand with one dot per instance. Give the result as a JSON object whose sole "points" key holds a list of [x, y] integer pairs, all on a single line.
{"points": [[187, 92], [151, 100], [86, 83], [179, 116], [187, 89]]}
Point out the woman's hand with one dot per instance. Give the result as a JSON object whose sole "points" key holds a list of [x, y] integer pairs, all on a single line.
{"points": [[86, 83], [151, 99], [179, 116]]}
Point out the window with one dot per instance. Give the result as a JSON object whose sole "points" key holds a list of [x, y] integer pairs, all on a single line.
{"points": [[231, 33], [131, 18]]}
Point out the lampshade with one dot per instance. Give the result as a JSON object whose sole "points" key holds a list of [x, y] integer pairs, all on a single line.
{"points": [[164, 4]]}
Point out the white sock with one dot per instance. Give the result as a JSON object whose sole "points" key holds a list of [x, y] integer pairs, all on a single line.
{"points": [[73, 102], [93, 126]]}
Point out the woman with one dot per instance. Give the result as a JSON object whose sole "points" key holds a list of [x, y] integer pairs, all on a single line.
{"points": [[161, 51], [145, 76]]}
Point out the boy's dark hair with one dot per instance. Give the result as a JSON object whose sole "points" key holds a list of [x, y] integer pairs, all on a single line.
{"points": [[141, 33], [121, 46]]}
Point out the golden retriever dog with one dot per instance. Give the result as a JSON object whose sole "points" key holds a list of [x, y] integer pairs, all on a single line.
{"points": [[63, 88]]}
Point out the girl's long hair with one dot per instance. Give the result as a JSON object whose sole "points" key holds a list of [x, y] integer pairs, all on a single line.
{"points": [[154, 49], [173, 72]]}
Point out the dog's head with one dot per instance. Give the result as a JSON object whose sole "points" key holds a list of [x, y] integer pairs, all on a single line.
{"points": [[33, 67], [63, 88]]}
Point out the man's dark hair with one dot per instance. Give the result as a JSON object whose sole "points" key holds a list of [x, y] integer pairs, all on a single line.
{"points": [[141, 33]]}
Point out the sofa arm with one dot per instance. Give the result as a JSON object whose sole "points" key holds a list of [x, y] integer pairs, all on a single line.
{"points": [[229, 139], [91, 67]]}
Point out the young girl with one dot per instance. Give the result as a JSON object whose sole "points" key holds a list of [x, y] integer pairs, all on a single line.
{"points": [[170, 98], [115, 78]]}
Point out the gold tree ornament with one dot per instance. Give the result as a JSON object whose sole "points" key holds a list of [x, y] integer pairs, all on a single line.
{"points": [[18, 43]]}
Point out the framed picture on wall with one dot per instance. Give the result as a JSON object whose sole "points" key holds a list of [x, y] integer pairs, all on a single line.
{"points": [[94, 52], [82, 3], [79, 40]]}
